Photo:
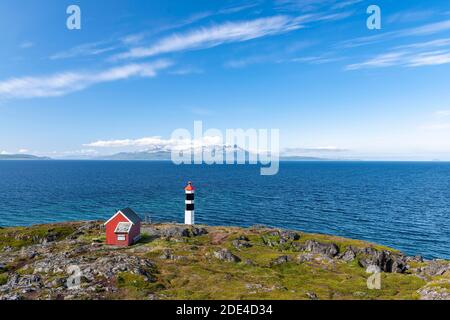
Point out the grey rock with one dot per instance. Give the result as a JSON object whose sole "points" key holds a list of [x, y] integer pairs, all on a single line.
{"points": [[305, 257], [385, 260], [178, 232], [277, 238], [328, 249], [414, 259], [239, 244], [312, 296], [289, 235], [226, 255], [348, 255], [435, 268], [166, 255], [281, 260], [249, 262], [434, 292], [243, 238]]}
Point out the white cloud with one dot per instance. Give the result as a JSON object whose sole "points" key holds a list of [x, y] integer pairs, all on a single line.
{"points": [[343, 4], [427, 29], [322, 59], [410, 16], [182, 71], [430, 59], [24, 151], [217, 35], [67, 82], [87, 49], [382, 60], [413, 55], [157, 143], [444, 42]]}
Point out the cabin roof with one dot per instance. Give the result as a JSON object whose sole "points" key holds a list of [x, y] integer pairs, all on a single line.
{"points": [[123, 227], [129, 214]]}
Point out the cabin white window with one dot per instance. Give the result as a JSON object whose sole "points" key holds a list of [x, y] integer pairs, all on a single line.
{"points": [[121, 237]]}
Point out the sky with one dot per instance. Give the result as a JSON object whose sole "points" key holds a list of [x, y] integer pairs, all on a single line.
{"points": [[138, 70]]}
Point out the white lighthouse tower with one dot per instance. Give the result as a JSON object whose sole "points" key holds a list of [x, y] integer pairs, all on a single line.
{"points": [[189, 211]]}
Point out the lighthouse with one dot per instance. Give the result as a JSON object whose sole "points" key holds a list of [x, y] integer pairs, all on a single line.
{"points": [[189, 211]]}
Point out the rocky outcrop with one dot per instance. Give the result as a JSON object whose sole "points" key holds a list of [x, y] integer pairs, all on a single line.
{"points": [[435, 268], [435, 290], [177, 231], [385, 260], [226, 255], [281, 260], [280, 238], [328, 249], [178, 256], [349, 254], [241, 242]]}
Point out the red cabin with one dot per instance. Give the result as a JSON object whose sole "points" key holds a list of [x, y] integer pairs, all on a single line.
{"points": [[123, 228]]}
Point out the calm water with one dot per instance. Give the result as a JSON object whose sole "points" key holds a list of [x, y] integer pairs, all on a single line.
{"points": [[403, 205]]}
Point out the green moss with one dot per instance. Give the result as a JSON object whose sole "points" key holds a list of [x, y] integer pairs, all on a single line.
{"points": [[202, 276], [136, 286], [23, 236], [3, 278]]}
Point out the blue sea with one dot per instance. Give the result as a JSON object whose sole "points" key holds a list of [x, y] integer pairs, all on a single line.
{"points": [[405, 205]]}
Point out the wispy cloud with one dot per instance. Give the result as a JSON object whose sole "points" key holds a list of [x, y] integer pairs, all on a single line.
{"points": [[185, 70], [427, 29], [229, 32], [429, 59], [67, 82], [344, 4], [217, 35], [244, 62], [403, 58], [321, 59], [84, 50], [382, 60], [409, 16], [427, 44], [426, 53], [314, 5]]}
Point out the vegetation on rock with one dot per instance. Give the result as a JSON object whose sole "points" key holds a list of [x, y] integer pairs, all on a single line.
{"points": [[180, 262]]}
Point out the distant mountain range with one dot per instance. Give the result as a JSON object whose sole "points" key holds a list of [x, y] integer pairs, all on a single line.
{"points": [[144, 156], [21, 157], [166, 155]]}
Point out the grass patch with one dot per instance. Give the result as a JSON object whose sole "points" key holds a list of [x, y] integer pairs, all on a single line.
{"points": [[3, 279], [136, 286], [24, 236]]}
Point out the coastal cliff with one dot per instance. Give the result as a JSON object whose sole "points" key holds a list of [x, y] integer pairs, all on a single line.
{"points": [[180, 262]]}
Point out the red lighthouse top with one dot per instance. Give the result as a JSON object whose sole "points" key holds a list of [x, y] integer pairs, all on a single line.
{"points": [[189, 187]]}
